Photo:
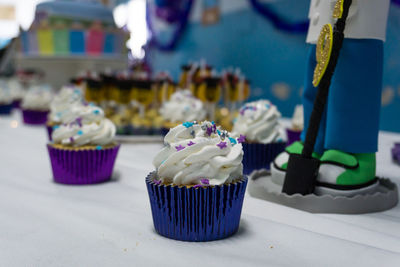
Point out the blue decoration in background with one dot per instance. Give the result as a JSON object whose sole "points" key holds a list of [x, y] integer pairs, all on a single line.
{"points": [[109, 41], [278, 21], [180, 27], [77, 42]]}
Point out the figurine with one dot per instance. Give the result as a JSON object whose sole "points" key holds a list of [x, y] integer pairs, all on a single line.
{"points": [[347, 140]]}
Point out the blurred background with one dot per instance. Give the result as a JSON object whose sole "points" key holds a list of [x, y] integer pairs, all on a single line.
{"points": [[260, 41]]}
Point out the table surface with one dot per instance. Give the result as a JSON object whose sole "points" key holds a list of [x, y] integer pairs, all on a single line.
{"points": [[47, 224]]}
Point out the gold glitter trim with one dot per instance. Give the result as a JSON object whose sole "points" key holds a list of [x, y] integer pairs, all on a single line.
{"points": [[86, 147], [323, 53], [338, 9]]}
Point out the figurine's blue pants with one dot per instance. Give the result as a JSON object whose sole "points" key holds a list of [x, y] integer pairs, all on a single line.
{"points": [[351, 119]]}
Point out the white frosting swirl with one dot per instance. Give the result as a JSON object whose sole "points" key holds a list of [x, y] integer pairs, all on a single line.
{"points": [[89, 129], [16, 89], [63, 102], [5, 96], [37, 98], [194, 153], [298, 118], [183, 106], [258, 121]]}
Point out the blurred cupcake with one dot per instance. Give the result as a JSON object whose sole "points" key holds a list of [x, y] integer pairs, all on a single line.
{"points": [[182, 106], [17, 91], [294, 133], [6, 103], [197, 190], [36, 105], [61, 105], [83, 150], [258, 124]]}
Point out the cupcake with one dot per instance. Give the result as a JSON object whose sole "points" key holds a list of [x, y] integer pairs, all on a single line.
{"points": [[197, 190], [6, 103], [258, 124], [181, 107], [83, 150], [36, 105], [62, 104], [294, 133], [17, 91]]}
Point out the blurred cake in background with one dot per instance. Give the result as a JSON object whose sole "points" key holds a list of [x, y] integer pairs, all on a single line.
{"points": [[73, 28]]}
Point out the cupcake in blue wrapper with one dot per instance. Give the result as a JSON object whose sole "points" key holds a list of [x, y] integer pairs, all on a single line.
{"points": [[263, 136], [17, 91], [6, 103], [197, 190]]}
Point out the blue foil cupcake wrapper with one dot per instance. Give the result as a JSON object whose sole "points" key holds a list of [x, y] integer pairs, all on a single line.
{"points": [[259, 156], [6, 109], [196, 214]]}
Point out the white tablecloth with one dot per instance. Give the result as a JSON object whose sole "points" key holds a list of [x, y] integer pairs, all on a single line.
{"points": [[110, 224]]}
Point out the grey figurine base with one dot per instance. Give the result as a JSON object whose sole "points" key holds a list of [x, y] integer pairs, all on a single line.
{"points": [[385, 197]]}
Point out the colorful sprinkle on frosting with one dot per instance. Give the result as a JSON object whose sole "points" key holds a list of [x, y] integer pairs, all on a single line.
{"points": [[221, 145], [232, 140], [188, 124], [179, 148], [241, 139]]}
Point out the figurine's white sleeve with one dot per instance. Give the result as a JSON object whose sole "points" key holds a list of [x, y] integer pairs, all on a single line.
{"points": [[367, 19]]}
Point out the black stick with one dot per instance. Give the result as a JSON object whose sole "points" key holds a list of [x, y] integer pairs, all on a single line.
{"points": [[302, 170], [325, 83]]}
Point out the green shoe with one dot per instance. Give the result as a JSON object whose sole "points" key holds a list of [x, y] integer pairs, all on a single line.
{"points": [[279, 165], [346, 174]]}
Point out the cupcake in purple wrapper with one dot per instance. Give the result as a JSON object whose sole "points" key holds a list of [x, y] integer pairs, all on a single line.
{"points": [[62, 107], [6, 104], [264, 137], [83, 151], [36, 105], [197, 190], [293, 133]]}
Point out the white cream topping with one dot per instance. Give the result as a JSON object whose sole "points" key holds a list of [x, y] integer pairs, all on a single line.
{"points": [[62, 103], [87, 129], [258, 121], [199, 154], [16, 89], [37, 98], [183, 106], [5, 95], [298, 118]]}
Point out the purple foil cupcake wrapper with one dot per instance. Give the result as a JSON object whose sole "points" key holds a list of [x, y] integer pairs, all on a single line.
{"points": [[260, 156], [89, 166], [6, 109], [34, 117], [396, 153], [196, 214], [293, 136]]}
